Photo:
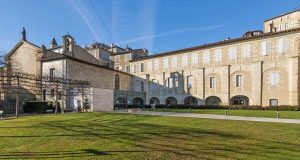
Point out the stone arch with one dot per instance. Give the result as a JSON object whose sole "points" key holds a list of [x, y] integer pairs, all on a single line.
{"points": [[239, 100], [154, 101], [171, 101], [213, 100], [190, 100], [121, 102], [138, 101]]}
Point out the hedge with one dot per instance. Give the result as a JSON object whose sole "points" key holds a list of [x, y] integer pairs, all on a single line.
{"points": [[37, 107], [251, 107]]}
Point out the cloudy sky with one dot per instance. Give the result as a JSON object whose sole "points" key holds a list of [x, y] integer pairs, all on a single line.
{"points": [[158, 25]]}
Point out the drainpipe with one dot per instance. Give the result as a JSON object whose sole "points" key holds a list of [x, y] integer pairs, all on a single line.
{"points": [[203, 77], [229, 85], [261, 83]]}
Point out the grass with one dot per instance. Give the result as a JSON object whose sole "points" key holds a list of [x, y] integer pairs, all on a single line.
{"points": [[246, 113], [125, 136]]}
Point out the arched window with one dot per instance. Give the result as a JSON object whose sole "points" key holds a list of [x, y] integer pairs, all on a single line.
{"points": [[117, 82]]}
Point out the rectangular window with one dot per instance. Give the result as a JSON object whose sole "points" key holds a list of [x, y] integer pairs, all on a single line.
{"points": [[273, 102], [52, 73], [274, 78], [286, 26], [266, 48], [156, 63], [212, 82], [52, 92], [206, 58], [132, 68], [233, 53], [184, 60], [142, 86], [283, 45], [149, 66], [280, 27], [171, 82], [189, 82], [174, 59], [44, 95], [238, 80], [195, 58], [128, 69], [218, 55], [246, 50], [166, 63], [142, 67]]}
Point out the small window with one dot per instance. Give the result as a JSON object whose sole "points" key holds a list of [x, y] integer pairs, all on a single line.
{"points": [[171, 82], [142, 67], [246, 50], [52, 73], [283, 45], [128, 69], [52, 92], [184, 60], [189, 82], [266, 48], [274, 78], [174, 62], [233, 53], [195, 58], [206, 57], [44, 95], [166, 63], [212, 82], [238, 80], [142, 86], [273, 102], [218, 55]]}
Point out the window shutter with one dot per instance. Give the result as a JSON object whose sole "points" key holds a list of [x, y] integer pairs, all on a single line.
{"points": [[280, 46]]}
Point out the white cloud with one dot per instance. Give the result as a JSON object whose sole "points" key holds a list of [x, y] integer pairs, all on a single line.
{"points": [[153, 36]]}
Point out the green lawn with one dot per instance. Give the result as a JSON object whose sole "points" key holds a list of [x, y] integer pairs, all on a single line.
{"points": [[125, 136], [246, 113]]}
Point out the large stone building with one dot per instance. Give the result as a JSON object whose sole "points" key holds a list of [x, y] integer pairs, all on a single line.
{"points": [[260, 68]]}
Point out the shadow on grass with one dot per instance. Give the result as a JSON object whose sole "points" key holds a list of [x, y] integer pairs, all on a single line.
{"points": [[141, 136]]}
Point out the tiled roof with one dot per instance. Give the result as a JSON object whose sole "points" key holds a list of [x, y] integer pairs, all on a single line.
{"points": [[210, 45], [283, 14]]}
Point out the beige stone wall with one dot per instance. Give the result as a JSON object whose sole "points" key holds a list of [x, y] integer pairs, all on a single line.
{"points": [[253, 68], [26, 59], [284, 22], [99, 77]]}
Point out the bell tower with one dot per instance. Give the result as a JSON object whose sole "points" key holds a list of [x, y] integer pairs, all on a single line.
{"points": [[68, 44]]}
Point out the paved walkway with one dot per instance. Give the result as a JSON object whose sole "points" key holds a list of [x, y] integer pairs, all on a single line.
{"points": [[212, 116]]}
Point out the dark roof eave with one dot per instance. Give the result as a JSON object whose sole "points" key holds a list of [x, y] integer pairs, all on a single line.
{"points": [[78, 60], [214, 44], [282, 15]]}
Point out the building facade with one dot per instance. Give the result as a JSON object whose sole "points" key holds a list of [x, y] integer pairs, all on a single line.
{"points": [[260, 68]]}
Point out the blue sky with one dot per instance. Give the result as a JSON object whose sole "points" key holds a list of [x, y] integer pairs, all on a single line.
{"points": [[158, 25]]}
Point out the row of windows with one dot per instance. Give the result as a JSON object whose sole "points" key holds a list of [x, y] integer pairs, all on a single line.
{"points": [[266, 48], [274, 80], [173, 81]]}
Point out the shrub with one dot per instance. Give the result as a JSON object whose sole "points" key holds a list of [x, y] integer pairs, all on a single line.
{"points": [[37, 107]]}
